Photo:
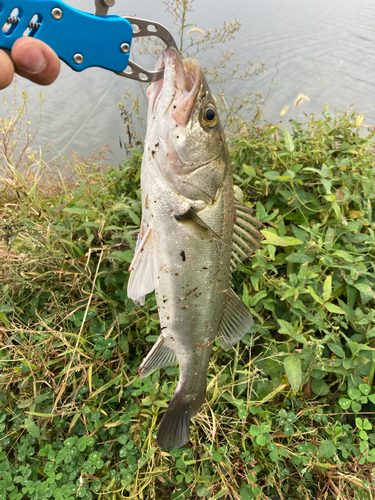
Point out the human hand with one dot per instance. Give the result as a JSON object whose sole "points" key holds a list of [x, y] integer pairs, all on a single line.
{"points": [[30, 58]]}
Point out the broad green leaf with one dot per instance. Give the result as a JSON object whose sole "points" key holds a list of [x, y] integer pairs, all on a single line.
{"points": [[249, 170], [365, 389], [366, 289], [363, 435], [274, 456], [5, 308], [327, 185], [134, 217], [327, 449], [250, 492], [4, 319], [271, 174], [367, 426], [300, 233], [126, 256], [327, 288], [257, 297], [293, 371], [318, 374], [354, 394], [345, 403], [201, 491], [288, 140], [372, 398], [356, 407], [325, 172], [255, 430], [286, 327], [32, 428], [344, 255], [300, 258], [272, 239], [319, 387], [333, 309], [242, 413], [291, 241], [314, 295], [358, 423], [262, 439], [338, 350], [278, 241]]}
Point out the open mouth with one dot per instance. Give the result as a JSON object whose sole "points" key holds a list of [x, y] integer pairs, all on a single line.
{"points": [[179, 87]]}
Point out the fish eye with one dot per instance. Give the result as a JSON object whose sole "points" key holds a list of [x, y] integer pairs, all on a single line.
{"points": [[209, 116]]}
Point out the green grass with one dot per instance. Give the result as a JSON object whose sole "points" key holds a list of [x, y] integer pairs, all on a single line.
{"points": [[290, 410]]}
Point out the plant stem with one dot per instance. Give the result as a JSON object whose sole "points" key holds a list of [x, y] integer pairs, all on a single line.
{"points": [[183, 18]]}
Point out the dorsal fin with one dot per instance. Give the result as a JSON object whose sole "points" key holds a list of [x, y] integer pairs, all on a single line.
{"points": [[246, 235]]}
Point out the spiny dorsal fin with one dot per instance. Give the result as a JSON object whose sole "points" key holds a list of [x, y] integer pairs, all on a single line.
{"points": [[246, 235], [160, 356], [235, 321]]}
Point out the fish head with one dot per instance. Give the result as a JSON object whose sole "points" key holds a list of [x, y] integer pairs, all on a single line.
{"points": [[184, 123]]}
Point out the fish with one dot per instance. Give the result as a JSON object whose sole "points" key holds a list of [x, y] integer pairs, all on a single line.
{"points": [[192, 236]]}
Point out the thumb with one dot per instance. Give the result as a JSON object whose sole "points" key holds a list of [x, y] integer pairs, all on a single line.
{"points": [[35, 60]]}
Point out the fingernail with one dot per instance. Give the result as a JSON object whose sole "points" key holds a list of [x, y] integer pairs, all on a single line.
{"points": [[31, 59]]}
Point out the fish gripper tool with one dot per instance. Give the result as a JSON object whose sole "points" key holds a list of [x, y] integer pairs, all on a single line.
{"points": [[80, 39]]}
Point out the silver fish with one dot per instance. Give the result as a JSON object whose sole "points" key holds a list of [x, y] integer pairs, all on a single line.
{"points": [[188, 237]]}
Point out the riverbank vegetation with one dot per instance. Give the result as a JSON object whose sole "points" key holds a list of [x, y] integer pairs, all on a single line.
{"points": [[290, 410]]}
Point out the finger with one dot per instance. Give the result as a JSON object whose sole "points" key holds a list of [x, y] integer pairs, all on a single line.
{"points": [[35, 60], [6, 70]]}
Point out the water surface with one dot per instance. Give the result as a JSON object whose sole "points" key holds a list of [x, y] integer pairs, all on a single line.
{"points": [[325, 50]]}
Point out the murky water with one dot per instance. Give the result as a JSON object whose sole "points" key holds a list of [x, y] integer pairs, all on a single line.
{"points": [[325, 50]]}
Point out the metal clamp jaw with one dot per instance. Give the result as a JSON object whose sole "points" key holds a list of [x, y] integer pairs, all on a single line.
{"points": [[142, 27], [80, 39], [102, 7]]}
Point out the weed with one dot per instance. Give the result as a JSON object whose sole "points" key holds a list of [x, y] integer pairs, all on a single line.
{"points": [[289, 412]]}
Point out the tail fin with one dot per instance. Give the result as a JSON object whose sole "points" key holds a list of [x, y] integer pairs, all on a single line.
{"points": [[174, 429]]}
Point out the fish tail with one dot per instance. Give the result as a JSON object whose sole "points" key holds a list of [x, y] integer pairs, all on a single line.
{"points": [[174, 429]]}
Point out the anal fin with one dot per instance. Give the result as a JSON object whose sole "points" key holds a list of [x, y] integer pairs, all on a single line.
{"points": [[143, 269], [160, 356], [235, 321]]}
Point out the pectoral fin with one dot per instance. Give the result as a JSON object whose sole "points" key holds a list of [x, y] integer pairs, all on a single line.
{"points": [[144, 268], [235, 321], [160, 356], [191, 218]]}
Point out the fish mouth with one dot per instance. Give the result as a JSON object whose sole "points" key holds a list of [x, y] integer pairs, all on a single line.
{"points": [[178, 90]]}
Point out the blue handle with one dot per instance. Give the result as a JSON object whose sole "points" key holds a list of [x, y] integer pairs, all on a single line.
{"points": [[97, 39]]}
